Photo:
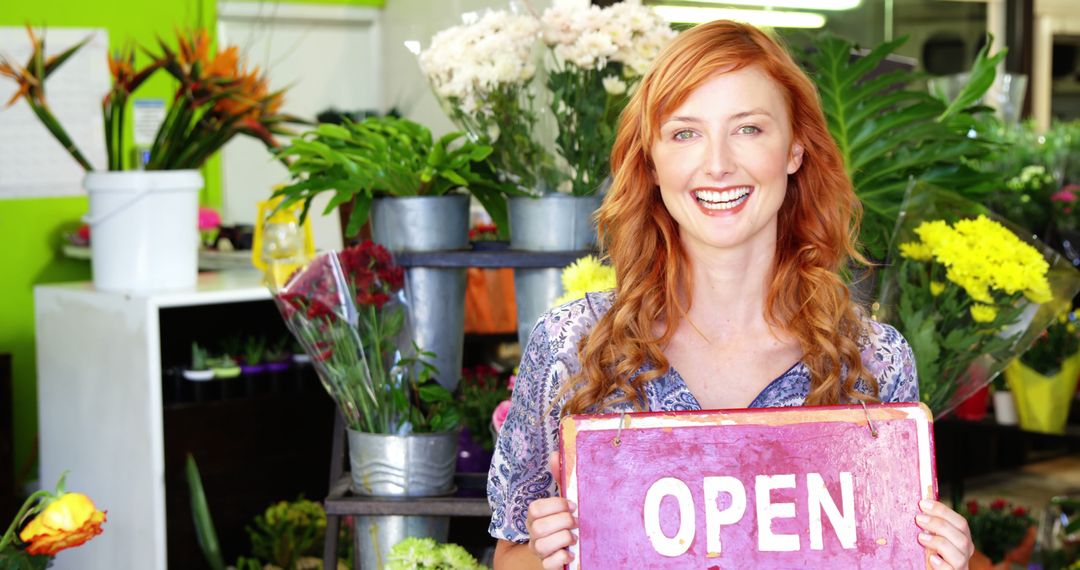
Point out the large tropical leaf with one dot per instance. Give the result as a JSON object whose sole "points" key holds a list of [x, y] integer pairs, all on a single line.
{"points": [[889, 133]]}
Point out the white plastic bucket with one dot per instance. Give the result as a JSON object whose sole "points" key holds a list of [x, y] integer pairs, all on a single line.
{"points": [[144, 232]]}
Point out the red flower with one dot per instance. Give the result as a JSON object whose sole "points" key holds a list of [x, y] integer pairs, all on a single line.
{"points": [[377, 299], [1019, 512], [973, 507], [998, 504]]}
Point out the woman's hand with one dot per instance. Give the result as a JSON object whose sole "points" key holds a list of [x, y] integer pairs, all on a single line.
{"points": [[549, 522], [945, 536]]}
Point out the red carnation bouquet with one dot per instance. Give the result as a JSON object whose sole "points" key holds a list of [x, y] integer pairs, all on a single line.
{"points": [[348, 310]]}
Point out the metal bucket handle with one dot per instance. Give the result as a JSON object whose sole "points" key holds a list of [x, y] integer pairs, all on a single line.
{"points": [[93, 221]]}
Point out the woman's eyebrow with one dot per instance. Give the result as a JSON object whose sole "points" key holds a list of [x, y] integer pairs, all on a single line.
{"points": [[734, 117], [750, 113]]}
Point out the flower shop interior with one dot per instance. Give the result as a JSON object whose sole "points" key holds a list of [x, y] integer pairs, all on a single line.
{"points": [[188, 184]]}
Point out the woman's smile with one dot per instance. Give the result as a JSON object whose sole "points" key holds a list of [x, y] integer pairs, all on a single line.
{"points": [[720, 201]]}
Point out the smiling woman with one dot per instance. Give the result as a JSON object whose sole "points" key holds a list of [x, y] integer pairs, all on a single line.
{"points": [[728, 222]]}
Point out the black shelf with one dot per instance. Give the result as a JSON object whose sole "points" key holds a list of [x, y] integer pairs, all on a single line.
{"points": [[488, 259]]}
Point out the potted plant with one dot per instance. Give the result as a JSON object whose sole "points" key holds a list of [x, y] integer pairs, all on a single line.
{"points": [[478, 395], [1043, 380], [199, 370], [348, 310], [483, 73], [409, 182], [278, 358], [224, 367], [143, 211], [254, 355], [590, 83], [1002, 533]]}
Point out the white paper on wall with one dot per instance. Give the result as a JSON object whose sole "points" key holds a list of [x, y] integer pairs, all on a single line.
{"points": [[32, 163]]}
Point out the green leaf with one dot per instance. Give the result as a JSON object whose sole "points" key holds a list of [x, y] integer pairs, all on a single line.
{"points": [[980, 78], [359, 215], [204, 523], [433, 392]]}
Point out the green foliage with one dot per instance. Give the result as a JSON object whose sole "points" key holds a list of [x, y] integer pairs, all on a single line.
{"points": [[587, 116], [1060, 341], [199, 360], [19, 560], [941, 332], [888, 133], [386, 156], [204, 523], [479, 392], [429, 407], [426, 554], [254, 350], [288, 531]]}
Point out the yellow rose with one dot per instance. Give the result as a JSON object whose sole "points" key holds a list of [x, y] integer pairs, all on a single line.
{"points": [[65, 522]]}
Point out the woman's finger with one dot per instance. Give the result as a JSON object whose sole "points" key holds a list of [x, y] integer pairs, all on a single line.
{"points": [[546, 546], [551, 524], [939, 509], [951, 558], [541, 508], [558, 560], [939, 526]]}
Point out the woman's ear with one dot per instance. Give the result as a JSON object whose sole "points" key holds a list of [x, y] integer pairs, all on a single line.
{"points": [[795, 159]]}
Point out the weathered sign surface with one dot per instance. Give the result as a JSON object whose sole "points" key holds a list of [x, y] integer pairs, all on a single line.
{"points": [[827, 487]]}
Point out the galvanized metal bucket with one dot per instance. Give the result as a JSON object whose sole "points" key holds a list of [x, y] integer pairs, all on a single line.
{"points": [[554, 222], [436, 296], [375, 536], [418, 465]]}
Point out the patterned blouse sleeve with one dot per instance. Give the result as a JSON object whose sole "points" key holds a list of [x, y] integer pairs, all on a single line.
{"points": [[898, 380], [519, 469]]}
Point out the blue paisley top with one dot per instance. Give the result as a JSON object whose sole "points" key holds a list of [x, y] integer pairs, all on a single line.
{"points": [[519, 471]]}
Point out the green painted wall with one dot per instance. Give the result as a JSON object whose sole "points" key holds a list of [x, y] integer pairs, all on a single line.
{"points": [[31, 229], [375, 3]]}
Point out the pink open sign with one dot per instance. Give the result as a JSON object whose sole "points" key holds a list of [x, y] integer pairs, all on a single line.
{"points": [[828, 487]]}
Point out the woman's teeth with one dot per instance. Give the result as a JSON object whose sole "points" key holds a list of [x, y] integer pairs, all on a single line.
{"points": [[725, 200]]}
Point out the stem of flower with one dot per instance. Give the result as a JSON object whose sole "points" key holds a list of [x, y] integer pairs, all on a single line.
{"points": [[26, 506]]}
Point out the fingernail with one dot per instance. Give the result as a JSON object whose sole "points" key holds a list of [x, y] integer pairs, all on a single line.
{"points": [[924, 537], [935, 560], [922, 519], [926, 505], [573, 506]]}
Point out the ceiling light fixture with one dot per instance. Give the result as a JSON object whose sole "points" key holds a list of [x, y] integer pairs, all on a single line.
{"points": [[765, 18]]}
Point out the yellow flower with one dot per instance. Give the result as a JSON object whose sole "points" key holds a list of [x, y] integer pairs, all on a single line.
{"points": [[983, 313], [916, 250], [936, 288], [586, 275], [65, 522], [981, 256]]}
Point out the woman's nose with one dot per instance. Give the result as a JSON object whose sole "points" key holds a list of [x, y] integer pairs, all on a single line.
{"points": [[719, 161]]}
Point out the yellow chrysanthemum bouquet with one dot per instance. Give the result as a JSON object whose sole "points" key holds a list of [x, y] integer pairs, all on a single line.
{"points": [[967, 292], [586, 275]]}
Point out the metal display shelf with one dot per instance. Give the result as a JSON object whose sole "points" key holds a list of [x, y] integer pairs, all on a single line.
{"points": [[341, 501], [488, 259]]}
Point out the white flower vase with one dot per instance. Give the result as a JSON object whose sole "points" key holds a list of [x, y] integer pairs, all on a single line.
{"points": [[1005, 408]]}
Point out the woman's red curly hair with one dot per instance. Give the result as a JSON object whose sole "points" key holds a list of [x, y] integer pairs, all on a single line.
{"points": [[807, 298]]}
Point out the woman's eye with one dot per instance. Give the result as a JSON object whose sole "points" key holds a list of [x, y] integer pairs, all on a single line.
{"points": [[748, 130], [683, 135]]}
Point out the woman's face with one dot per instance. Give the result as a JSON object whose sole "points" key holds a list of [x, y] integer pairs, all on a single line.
{"points": [[723, 160]]}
